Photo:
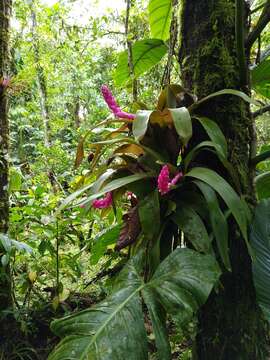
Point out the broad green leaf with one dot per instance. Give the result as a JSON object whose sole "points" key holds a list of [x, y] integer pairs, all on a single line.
{"points": [[262, 184], [265, 155], [114, 328], [183, 124], [260, 242], [145, 53], [140, 123], [260, 78], [218, 222], [160, 13], [226, 192], [149, 214], [193, 227], [158, 320], [215, 134], [238, 93], [102, 240]]}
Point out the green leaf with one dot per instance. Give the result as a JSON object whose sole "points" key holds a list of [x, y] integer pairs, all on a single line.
{"points": [[15, 180], [205, 144], [5, 260], [260, 78], [260, 242], [226, 192], [140, 123], [193, 227], [218, 222], [113, 185], [183, 124], [102, 240], [114, 328], [160, 13], [146, 54], [238, 93], [149, 214], [262, 184], [215, 134]]}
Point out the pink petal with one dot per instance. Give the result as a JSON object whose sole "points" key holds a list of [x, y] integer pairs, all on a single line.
{"points": [[104, 202], [163, 180], [177, 177], [112, 104]]}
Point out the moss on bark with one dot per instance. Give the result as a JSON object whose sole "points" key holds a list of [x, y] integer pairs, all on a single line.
{"points": [[231, 326]]}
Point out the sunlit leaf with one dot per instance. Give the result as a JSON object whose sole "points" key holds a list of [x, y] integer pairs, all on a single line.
{"points": [[140, 124], [160, 12], [183, 124], [146, 54]]}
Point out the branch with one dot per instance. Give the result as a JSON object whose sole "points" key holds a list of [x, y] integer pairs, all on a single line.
{"points": [[240, 43], [129, 51], [260, 26], [261, 111]]}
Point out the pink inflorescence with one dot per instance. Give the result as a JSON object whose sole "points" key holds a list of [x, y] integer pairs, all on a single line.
{"points": [[111, 102], [104, 202], [164, 182]]}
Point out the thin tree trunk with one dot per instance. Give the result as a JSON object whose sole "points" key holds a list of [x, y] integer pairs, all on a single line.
{"points": [[41, 80], [5, 12], [230, 324]]}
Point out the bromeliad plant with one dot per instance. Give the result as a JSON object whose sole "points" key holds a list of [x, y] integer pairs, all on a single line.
{"points": [[178, 215]]}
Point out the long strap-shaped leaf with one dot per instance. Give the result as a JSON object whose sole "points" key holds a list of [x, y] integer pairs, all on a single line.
{"points": [[227, 193], [114, 329]]}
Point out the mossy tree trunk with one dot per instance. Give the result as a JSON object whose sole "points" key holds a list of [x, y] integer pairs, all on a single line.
{"points": [[230, 325], [5, 11]]}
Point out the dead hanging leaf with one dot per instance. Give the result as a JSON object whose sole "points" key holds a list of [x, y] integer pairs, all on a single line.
{"points": [[130, 149], [79, 154], [174, 96], [162, 118], [131, 229]]}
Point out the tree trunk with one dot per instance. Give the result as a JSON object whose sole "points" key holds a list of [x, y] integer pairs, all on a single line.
{"points": [[5, 12], [230, 324], [41, 80]]}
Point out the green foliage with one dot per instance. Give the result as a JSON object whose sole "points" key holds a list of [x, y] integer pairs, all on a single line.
{"points": [[179, 286], [260, 235], [260, 76], [146, 54], [160, 12]]}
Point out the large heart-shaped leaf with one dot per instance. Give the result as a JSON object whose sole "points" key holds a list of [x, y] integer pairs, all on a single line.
{"points": [[260, 242], [160, 13], [145, 54], [114, 328], [262, 184], [260, 78]]}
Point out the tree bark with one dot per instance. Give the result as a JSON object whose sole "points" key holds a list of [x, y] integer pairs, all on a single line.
{"points": [[230, 324], [41, 80], [5, 12]]}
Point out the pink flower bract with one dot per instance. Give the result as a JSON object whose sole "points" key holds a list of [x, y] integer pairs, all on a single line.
{"points": [[104, 202], [164, 183], [112, 104]]}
